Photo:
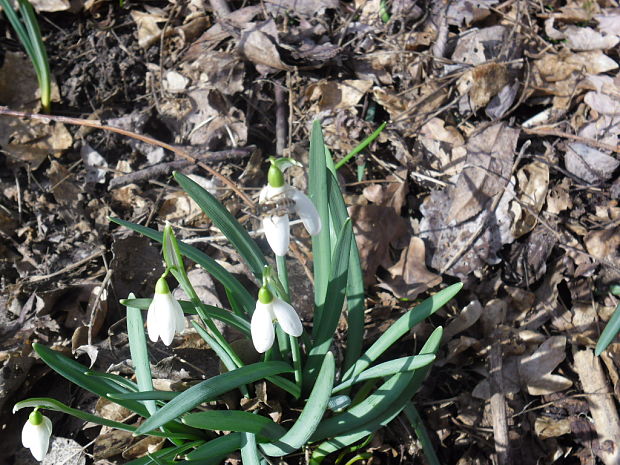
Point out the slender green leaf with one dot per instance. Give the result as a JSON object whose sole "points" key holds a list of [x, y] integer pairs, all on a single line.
{"points": [[387, 369], [379, 405], [144, 395], [167, 453], [139, 353], [329, 316], [310, 416], [216, 448], [361, 146], [230, 227], [244, 298], [124, 383], [420, 431], [170, 250], [188, 307], [235, 420], [321, 248], [52, 404], [355, 281], [210, 389], [609, 333], [373, 420], [74, 372], [404, 324], [249, 451]]}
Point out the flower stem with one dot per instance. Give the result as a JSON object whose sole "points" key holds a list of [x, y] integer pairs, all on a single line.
{"points": [[294, 348]]}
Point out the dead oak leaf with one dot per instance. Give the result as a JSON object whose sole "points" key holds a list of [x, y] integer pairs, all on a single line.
{"points": [[376, 227], [535, 369]]}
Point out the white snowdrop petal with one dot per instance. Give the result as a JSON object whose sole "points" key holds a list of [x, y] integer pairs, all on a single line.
{"points": [[262, 327], [307, 211], [37, 438], [27, 434], [152, 326], [287, 318], [277, 232], [167, 323], [179, 317]]}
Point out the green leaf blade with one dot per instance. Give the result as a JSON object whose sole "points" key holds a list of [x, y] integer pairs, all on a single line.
{"points": [[210, 389], [310, 416], [228, 224]]}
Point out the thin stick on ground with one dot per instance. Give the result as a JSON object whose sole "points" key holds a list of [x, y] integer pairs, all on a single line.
{"points": [[149, 140]]}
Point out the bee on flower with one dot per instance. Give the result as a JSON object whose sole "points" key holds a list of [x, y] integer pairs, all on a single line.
{"points": [[36, 434], [285, 199], [269, 309]]}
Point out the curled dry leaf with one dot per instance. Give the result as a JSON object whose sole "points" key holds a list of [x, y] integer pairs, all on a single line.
{"points": [[148, 29], [533, 181], [446, 146], [258, 44], [482, 83], [535, 369], [588, 163], [467, 317], [457, 221], [410, 277], [334, 95], [373, 240], [548, 427]]}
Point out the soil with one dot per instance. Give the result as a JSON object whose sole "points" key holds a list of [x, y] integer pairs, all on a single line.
{"points": [[536, 243]]}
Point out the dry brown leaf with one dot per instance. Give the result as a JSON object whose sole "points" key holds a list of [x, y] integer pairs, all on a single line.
{"points": [[482, 83], [605, 244], [258, 43], [535, 369], [373, 239], [337, 95], [558, 74], [148, 30], [588, 163], [50, 5], [467, 11], [143, 447], [410, 277], [452, 217], [533, 181], [445, 144], [558, 198], [547, 427], [585, 38], [468, 315], [602, 405]]}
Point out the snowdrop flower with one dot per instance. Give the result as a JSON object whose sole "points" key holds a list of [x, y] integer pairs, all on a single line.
{"points": [[284, 199], [165, 316], [269, 309], [36, 434]]}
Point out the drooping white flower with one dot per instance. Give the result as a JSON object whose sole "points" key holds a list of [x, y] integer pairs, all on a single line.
{"points": [[285, 199], [269, 309], [36, 434], [165, 316]]}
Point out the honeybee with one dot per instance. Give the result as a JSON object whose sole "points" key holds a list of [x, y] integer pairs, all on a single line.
{"points": [[278, 205]]}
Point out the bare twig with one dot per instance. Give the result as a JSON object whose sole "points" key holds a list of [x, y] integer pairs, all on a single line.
{"points": [[281, 121], [149, 140], [162, 169], [566, 135], [66, 269], [498, 403]]}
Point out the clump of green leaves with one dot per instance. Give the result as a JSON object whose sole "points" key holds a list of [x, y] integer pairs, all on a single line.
{"points": [[27, 29], [339, 402]]}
